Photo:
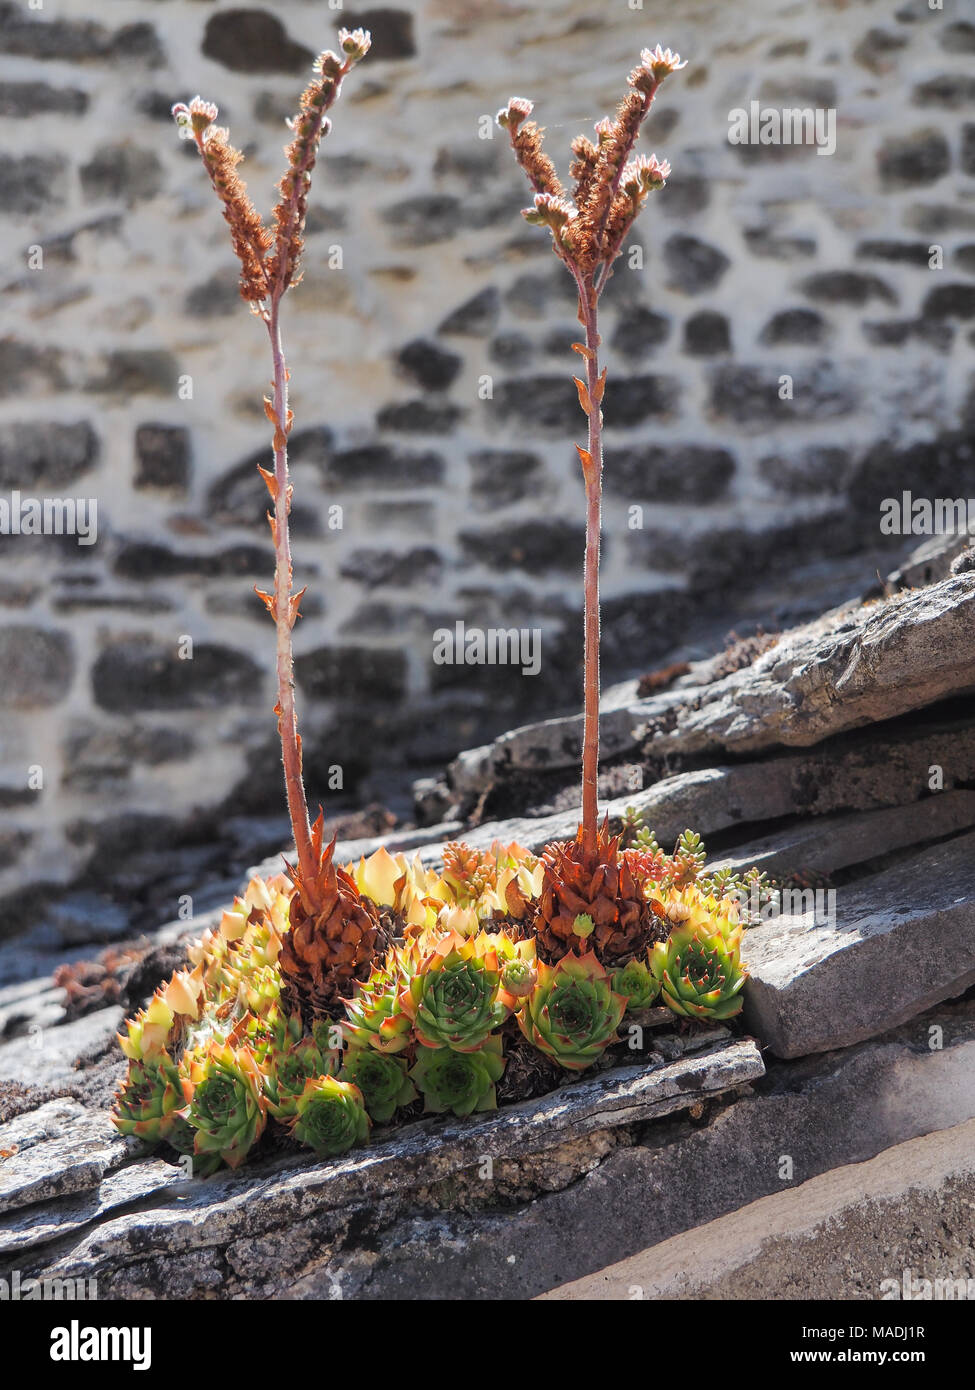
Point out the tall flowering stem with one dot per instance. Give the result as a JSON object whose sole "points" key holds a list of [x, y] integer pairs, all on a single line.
{"points": [[269, 260], [588, 231]]}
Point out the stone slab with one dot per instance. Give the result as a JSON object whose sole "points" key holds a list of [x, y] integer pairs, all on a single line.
{"points": [[902, 941]]}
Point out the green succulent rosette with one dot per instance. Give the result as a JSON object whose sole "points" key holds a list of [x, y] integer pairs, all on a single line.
{"points": [[637, 983], [461, 1082], [700, 972], [287, 1072], [226, 1106], [573, 1012], [382, 1079], [453, 1000], [330, 1116], [148, 1104], [375, 1017]]}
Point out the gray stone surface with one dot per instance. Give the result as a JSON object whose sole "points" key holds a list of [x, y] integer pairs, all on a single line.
{"points": [[903, 940], [898, 1226], [61, 1149], [45, 1056]]}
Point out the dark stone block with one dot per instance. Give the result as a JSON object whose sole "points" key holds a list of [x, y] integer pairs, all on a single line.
{"points": [[936, 333], [846, 287], [901, 252], [419, 417], [668, 472], [693, 265], [37, 666], [798, 91], [363, 674], [950, 302], [139, 673], [802, 326], [429, 365], [501, 476], [163, 456], [950, 89], [639, 331], [379, 466], [45, 453], [148, 562], [874, 49], [136, 371], [780, 248], [750, 395], [685, 195], [945, 468], [511, 349], [31, 183], [631, 400], [85, 40], [253, 41], [922, 156], [94, 758], [477, 316], [959, 37], [25, 369], [471, 164], [529, 296], [240, 497], [397, 568], [817, 469], [537, 547], [216, 297], [122, 171], [391, 29], [963, 257], [707, 334], [545, 402], [968, 150], [558, 342], [24, 99], [425, 218], [640, 627], [934, 219], [378, 619]]}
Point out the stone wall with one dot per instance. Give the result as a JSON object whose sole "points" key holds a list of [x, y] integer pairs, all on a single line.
{"points": [[429, 353]]}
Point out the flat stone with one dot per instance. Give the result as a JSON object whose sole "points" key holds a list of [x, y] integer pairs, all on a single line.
{"points": [[840, 841], [848, 1234], [903, 940], [47, 1056], [253, 41], [58, 1149], [46, 453], [183, 1224]]}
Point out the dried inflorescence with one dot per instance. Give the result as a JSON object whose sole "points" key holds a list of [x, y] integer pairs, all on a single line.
{"points": [[588, 230]]}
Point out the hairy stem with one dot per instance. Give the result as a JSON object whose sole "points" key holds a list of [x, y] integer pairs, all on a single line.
{"points": [[594, 489], [282, 611]]}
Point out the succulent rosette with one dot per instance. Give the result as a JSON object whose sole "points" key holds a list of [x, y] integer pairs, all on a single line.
{"points": [[573, 1012], [454, 998], [288, 1071], [375, 1016], [637, 983], [226, 1105], [461, 1082], [148, 1105], [330, 1116], [700, 970], [382, 1079]]}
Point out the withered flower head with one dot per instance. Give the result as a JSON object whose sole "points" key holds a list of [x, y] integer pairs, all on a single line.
{"points": [[611, 185], [196, 117], [511, 116], [355, 43]]}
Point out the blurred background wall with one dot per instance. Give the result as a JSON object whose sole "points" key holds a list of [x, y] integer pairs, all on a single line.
{"points": [[429, 347]]}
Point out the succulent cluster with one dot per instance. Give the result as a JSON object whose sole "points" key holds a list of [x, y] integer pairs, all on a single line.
{"points": [[410, 984]]}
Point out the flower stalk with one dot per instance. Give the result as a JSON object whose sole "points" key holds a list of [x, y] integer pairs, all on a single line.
{"points": [[269, 259], [588, 231]]}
